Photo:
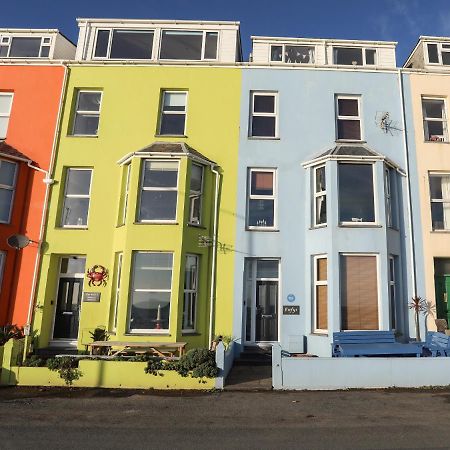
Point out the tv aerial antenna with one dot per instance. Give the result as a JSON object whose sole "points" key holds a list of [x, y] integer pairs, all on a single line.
{"points": [[383, 120]]}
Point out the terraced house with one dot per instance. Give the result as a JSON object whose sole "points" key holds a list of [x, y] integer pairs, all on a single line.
{"points": [[427, 89], [322, 234], [144, 186], [31, 84]]}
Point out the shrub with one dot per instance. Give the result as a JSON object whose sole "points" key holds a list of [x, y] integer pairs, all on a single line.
{"points": [[34, 361], [67, 367]]}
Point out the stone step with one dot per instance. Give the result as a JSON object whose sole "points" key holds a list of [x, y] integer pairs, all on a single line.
{"points": [[249, 378]]}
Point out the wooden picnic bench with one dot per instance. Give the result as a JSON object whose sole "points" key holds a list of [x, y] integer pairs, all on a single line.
{"points": [[371, 343], [162, 349], [437, 343]]}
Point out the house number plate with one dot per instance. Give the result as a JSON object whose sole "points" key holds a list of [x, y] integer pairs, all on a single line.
{"points": [[91, 297], [291, 310]]}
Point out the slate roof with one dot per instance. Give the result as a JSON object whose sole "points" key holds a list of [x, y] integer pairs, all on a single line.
{"points": [[174, 149], [10, 152], [350, 150]]}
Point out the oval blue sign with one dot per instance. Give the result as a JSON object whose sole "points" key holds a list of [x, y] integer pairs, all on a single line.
{"points": [[291, 298]]}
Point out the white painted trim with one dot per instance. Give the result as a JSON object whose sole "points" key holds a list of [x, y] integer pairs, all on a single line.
{"points": [[316, 283], [317, 195], [357, 118], [178, 113], [87, 113]]}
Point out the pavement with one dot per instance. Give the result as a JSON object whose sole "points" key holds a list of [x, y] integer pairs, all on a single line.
{"points": [[59, 418]]}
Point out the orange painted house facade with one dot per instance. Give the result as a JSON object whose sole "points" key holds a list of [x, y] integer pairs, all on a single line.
{"points": [[31, 90]]}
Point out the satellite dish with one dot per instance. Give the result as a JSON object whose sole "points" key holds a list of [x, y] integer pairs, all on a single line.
{"points": [[18, 241]]}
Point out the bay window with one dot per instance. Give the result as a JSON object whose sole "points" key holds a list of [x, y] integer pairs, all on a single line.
{"points": [[159, 191], [8, 176], [359, 292], [151, 291], [190, 292], [320, 197], [356, 193]]}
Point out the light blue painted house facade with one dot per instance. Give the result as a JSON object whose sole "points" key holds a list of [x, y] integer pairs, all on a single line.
{"points": [[323, 241]]}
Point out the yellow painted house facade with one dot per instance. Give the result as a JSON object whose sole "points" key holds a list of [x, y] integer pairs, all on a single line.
{"points": [[140, 226]]}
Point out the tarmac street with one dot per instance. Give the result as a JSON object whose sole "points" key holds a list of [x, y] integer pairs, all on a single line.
{"points": [[95, 419]]}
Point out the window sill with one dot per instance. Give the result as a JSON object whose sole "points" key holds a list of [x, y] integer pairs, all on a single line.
{"points": [[263, 138], [73, 228], [354, 141], [81, 135], [193, 225], [157, 222], [264, 230], [436, 142], [319, 333], [363, 225], [150, 333], [440, 231], [170, 136], [120, 226], [190, 333], [318, 227]]}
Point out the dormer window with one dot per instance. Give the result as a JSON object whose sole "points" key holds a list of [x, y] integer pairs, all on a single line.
{"points": [[24, 47], [354, 56], [439, 53], [189, 45], [292, 54], [124, 44]]}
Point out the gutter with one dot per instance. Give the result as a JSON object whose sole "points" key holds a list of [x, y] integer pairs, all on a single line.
{"points": [[408, 185], [214, 256], [48, 182]]}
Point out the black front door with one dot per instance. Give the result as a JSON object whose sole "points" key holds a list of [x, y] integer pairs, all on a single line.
{"points": [[266, 328], [67, 314]]}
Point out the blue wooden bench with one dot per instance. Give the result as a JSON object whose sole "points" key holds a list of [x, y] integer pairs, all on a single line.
{"points": [[371, 343], [438, 343]]}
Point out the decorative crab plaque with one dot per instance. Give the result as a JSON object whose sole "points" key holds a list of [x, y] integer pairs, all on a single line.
{"points": [[98, 275]]}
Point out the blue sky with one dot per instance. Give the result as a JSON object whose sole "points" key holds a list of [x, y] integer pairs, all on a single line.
{"points": [[399, 20]]}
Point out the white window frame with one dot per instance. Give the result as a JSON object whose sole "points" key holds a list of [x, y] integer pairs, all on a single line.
{"points": [[46, 41], [355, 118], [130, 296], [388, 196], [317, 195], [87, 113], [363, 51], [283, 53], [125, 193], [193, 311], [272, 197], [8, 113], [110, 39], [202, 58], [83, 227], [444, 118], [439, 51], [392, 300], [168, 91], [379, 296], [262, 114], [118, 275], [317, 283], [142, 189], [194, 195], [375, 197], [11, 188], [437, 200]]}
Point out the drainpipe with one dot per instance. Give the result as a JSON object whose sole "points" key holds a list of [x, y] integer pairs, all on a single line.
{"points": [[408, 185], [48, 182], [214, 256]]}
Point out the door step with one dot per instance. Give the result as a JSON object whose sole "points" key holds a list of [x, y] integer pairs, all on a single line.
{"points": [[249, 378]]}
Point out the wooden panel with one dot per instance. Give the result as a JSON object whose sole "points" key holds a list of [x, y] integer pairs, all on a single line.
{"points": [[322, 307], [359, 293], [322, 269]]}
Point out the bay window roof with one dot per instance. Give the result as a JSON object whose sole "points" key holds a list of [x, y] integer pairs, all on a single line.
{"points": [[350, 153], [169, 149]]}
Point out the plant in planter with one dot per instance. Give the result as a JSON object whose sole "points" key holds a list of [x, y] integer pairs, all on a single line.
{"points": [[419, 306], [224, 338], [8, 332], [67, 367], [100, 334]]}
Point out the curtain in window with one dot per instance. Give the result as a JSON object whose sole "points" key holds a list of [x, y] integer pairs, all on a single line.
{"points": [[446, 197]]}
